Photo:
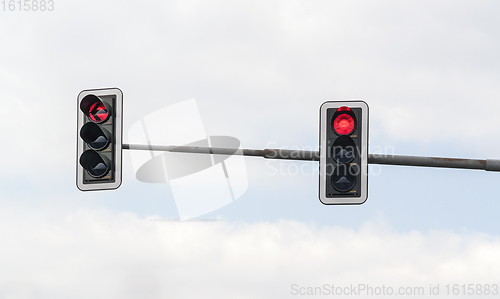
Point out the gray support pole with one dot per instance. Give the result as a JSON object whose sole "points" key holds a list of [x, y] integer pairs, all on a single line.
{"points": [[302, 155]]}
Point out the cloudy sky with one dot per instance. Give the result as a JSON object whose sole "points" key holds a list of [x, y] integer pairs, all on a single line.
{"points": [[259, 71]]}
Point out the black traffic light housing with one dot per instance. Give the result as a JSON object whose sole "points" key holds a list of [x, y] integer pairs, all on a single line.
{"points": [[99, 139], [343, 168]]}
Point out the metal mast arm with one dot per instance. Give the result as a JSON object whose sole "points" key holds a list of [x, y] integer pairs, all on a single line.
{"points": [[303, 155]]}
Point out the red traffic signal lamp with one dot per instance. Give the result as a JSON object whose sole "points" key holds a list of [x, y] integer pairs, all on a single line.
{"points": [[343, 168], [99, 140]]}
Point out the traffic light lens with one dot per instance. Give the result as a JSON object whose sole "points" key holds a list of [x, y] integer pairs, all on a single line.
{"points": [[343, 124], [343, 184], [344, 178], [344, 149], [98, 170], [95, 136], [95, 108], [95, 164], [98, 112], [99, 143]]}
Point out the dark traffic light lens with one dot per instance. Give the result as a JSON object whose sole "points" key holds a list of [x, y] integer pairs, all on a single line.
{"points": [[343, 124], [95, 136], [99, 142], [98, 170], [95, 164], [344, 149], [344, 177]]}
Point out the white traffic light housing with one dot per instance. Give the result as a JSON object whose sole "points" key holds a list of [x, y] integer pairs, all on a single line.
{"points": [[99, 140], [343, 168]]}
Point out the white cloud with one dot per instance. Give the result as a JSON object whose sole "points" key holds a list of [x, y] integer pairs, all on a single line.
{"points": [[99, 254], [260, 71]]}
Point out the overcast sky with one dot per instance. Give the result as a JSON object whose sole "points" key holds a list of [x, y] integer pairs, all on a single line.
{"points": [[259, 71]]}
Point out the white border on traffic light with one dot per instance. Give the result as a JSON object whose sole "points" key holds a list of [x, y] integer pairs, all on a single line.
{"points": [[323, 147], [117, 144]]}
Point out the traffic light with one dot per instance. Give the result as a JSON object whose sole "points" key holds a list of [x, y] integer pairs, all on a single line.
{"points": [[99, 141], [343, 167]]}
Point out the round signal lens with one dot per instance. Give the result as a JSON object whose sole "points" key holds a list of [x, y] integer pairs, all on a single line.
{"points": [[343, 124], [344, 178], [99, 143], [344, 149], [95, 136], [96, 165], [98, 112], [98, 169]]}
